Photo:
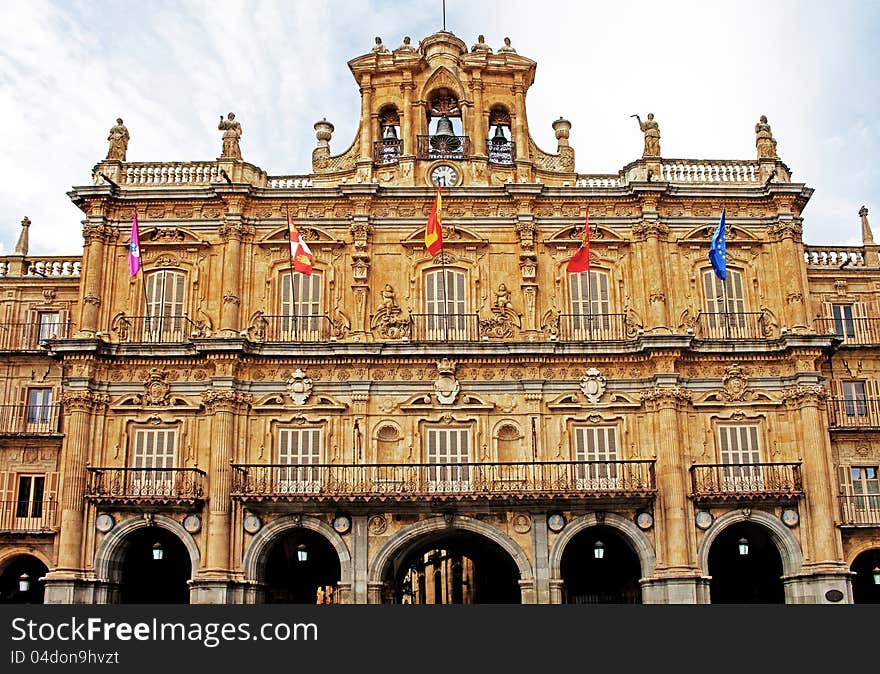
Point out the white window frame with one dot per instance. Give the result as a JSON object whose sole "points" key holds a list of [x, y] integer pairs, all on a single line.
{"points": [[855, 397], [38, 410], [725, 319], [165, 292], [446, 446], [299, 447], [590, 297], [33, 512], [446, 306], [595, 454], [301, 310], [739, 445], [865, 482], [48, 325], [153, 449]]}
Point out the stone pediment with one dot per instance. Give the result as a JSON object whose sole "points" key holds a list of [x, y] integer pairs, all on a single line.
{"points": [[426, 401], [573, 234], [170, 236], [317, 402], [704, 233], [453, 236], [443, 78], [313, 236], [578, 401]]}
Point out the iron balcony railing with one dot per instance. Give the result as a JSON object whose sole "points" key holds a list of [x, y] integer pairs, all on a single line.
{"points": [[746, 480], [731, 325], [27, 516], [855, 412], [593, 327], [25, 419], [293, 328], [501, 151], [156, 329], [27, 336], [443, 147], [145, 484], [387, 151], [853, 331], [426, 480], [860, 510], [445, 327]]}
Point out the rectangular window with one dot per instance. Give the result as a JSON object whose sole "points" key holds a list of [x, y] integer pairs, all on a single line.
{"points": [[595, 451], [299, 447], [302, 319], [725, 305], [39, 405], [447, 448], [740, 458], [446, 305], [49, 325], [153, 461], [165, 292], [855, 399], [866, 489], [30, 497], [590, 306], [844, 325]]}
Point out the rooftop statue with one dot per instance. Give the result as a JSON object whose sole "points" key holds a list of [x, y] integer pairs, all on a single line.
{"points": [[118, 141], [652, 135], [231, 133], [379, 48], [481, 45], [506, 47], [764, 140], [406, 46]]}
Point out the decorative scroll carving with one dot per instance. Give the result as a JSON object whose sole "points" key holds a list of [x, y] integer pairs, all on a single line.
{"points": [[557, 163], [157, 390], [502, 323], [593, 385], [665, 394], [389, 319], [795, 395], [446, 386], [225, 399], [299, 387], [84, 401]]}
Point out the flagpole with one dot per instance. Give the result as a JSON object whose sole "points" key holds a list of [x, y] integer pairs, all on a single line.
{"points": [[724, 283], [445, 296], [143, 275], [292, 283]]}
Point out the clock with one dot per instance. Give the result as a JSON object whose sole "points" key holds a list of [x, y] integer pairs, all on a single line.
{"points": [[444, 175]]}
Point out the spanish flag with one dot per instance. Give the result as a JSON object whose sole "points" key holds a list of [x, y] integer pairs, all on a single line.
{"points": [[434, 228]]}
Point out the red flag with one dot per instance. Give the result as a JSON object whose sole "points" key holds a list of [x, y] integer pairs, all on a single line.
{"points": [[134, 247], [580, 261], [300, 254], [434, 228]]}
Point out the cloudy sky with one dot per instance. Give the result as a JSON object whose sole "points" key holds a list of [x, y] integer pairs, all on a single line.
{"points": [[170, 69]]}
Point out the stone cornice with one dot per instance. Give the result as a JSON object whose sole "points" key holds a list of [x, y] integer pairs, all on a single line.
{"points": [[84, 401]]}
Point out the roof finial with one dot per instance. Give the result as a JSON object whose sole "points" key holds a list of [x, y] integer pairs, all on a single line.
{"points": [[21, 248], [867, 235]]}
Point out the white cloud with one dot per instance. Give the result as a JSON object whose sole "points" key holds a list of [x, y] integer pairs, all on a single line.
{"points": [[170, 69]]}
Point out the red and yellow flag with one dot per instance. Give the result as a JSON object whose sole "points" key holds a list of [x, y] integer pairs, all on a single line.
{"points": [[434, 228], [300, 254], [580, 261]]}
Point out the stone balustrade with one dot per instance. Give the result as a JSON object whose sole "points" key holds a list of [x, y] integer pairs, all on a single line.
{"points": [[706, 171], [598, 180], [288, 182], [43, 267], [825, 256]]}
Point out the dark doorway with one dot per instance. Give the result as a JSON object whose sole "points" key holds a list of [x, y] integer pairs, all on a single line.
{"points": [[459, 567], [155, 568], [300, 564], [866, 581], [745, 567], [21, 581], [598, 566]]}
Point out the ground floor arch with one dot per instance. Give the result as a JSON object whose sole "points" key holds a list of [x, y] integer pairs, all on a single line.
{"points": [[21, 579], [866, 577], [147, 561], [455, 560]]}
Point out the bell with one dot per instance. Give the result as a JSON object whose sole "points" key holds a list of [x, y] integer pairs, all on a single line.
{"points": [[444, 127], [389, 133], [499, 135]]}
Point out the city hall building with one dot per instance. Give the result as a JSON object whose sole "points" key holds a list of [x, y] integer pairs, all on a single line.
{"points": [[473, 425]]}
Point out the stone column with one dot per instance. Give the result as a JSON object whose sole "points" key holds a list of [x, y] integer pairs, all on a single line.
{"points": [[231, 234], [675, 574], [789, 249], [78, 406], [648, 235], [366, 118], [479, 128], [96, 233], [361, 231], [541, 553], [212, 582], [520, 135]]}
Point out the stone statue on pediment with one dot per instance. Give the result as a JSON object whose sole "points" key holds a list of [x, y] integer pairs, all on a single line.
{"points": [[764, 140], [379, 48], [481, 45], [118, 141]]}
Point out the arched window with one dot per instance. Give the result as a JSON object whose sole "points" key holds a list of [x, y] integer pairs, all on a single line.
{"points": [[444, 139], [446, 307], [499, 144], [165, 291], [388, 148], [591, 317], [302, 319]]}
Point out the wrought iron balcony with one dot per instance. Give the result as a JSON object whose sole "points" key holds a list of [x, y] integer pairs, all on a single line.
{"points": [[593, 328], [23, 419], [155, 329], [387, 151], [27, 516], [501, 151], [739, 481], [445, 327], [732, 325], [461, 481], [854, 412], [853, 331], [27, 336], [145, 485], [861, 510], [443, 147], [293, 328]]}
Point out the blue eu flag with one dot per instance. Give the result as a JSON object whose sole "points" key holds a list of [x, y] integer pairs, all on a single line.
{"points": [[718, 250]]}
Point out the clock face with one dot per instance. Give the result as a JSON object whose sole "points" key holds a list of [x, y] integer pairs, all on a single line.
{"points": [[444, 175]]}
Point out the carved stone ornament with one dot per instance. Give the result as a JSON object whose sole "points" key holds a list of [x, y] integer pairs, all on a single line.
{"points": [[735, 384], [593, 385], [446, 386], [299, 387], [156, 388]]}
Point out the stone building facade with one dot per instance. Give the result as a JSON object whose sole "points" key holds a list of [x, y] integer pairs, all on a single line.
{"points": [[474, 426]]}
